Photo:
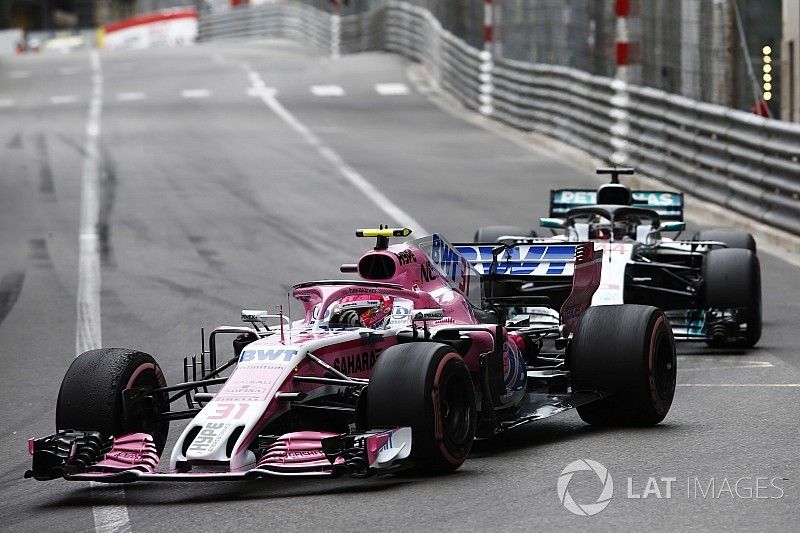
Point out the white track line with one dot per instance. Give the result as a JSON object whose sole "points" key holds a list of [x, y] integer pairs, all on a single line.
{"points": [[195, 93], [68, 71], [327, 90], [130, 97], [391, 89], [111, 517], [267, 95], [89, 332], [750, 365], [63, 99], [19, 74], [6, 102], [787, 385]]}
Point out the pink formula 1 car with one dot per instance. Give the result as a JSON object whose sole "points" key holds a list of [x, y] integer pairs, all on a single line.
{"points": [[401, 368]]}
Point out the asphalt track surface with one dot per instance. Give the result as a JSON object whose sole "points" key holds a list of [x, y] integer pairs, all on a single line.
{"points": [[210, 203]]}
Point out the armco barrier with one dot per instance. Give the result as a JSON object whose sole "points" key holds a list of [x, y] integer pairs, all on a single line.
{"points": [[742, 161]]}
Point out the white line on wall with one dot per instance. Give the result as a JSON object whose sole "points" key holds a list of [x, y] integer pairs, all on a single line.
{"points": [[195, 93], [268, 96], [391, 89], [327, 90]]}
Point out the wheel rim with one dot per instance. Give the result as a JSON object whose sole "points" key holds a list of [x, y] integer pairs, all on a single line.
{"points": [[664, 367], [455, 409]]}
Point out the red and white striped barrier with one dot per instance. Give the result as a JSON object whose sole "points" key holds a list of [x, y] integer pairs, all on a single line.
{"points": [[169, 27], [625, 56], [488, 29]]}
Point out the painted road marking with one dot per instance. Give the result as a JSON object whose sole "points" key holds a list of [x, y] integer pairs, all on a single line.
{"points": [[67, 71], [19, 74], [350, 174], [787, 385], [258, 92], [130, 97], [327, 90], [195, 93], [391, 89], [63, 99], [88, 335], [746, 365], [6, 102]]}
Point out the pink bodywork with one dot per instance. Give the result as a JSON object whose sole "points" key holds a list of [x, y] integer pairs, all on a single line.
{"points": [[135, 451], [414, 280], [298, 452]]}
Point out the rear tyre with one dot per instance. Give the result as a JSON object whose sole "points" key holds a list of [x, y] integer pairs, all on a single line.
{"points": [[494, 233], [731, 237], [732, 280], [90, 398], [425, 386], [628, 353]]}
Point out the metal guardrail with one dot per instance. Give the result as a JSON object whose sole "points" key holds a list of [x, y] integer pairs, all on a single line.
{"points": [[742, 161]]}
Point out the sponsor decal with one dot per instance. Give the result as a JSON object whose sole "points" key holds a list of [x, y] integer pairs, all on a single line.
{"points": [[523, 260], [134, 457], [356, 362], [451, 264], [305, 453], [656, 198], [576, 197], [360, 304], [401, 311], [209, 437], [651, 198], [271, 354], [405, 257], [427, 272]]}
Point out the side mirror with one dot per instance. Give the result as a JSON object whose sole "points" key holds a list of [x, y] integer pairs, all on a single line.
{"points": [[672, 226], [557, 223]]}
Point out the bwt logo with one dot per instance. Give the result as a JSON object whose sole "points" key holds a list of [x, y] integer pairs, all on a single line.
{"points": [[585, 509], [267, 355]]}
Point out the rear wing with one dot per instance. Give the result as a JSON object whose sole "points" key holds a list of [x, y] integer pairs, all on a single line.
{"points": [[537, 271], [668, 204], [452, 266]]}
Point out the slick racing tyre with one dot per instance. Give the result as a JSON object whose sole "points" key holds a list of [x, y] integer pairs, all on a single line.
{"points": [[494, 233], [732, 280], [628, 353], [90, 398], [731, 237], [425, 386]]}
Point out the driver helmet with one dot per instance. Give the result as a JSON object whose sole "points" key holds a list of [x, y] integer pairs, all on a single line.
{"points": [[621, 230], [374, 310], [601, 228]]}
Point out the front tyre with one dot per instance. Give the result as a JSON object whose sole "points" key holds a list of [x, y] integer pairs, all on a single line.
{"points": [[628, 353], [90, 398], [732, 280], [730, 237], [425, 386]]}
